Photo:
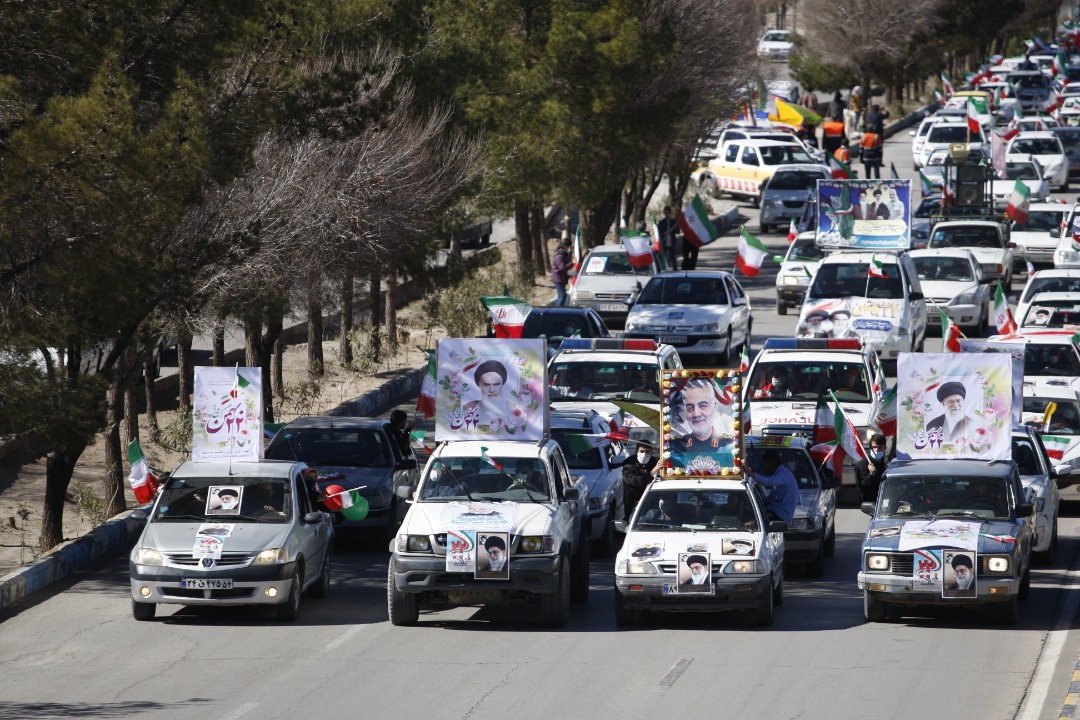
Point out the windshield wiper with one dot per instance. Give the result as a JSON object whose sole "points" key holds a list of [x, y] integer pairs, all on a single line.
{"points": [[641, 525], [200, 518], [911, 513]]}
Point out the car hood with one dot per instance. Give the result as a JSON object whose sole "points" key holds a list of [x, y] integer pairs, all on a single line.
{"points": [[800, 413], [247, 537], [796, 268], [677, 314], [948, 289], [611, 283], [988, 255], [431, 518], [1039, 239], [349, 478], [986, 543], [665, 547], [786, 195]]}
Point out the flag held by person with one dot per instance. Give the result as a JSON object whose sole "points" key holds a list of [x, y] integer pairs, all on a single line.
{"points": [[637, 247], [142, 478], [425, 404], [885, 419], [840, 169], [846, 433], [507, 315], [752, 253], [697, 228], [1019, 203], [1003, 317]]}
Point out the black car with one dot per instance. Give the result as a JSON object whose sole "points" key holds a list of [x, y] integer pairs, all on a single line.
{"points": [[558, 323]]}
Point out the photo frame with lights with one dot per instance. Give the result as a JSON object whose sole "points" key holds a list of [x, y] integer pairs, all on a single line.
{"points": [[701, 423]]}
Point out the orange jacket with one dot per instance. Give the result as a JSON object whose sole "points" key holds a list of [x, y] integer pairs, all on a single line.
{"points": [[833, 129], [870, 140], [842, 154]]}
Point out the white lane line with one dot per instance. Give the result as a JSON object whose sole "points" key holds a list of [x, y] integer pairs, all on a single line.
{"points": [[241, 711], [673, 674], [344, 637], [1039, 687]]}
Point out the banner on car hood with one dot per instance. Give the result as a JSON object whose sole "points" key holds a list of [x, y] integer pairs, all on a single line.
{"points": [[850, 317]]}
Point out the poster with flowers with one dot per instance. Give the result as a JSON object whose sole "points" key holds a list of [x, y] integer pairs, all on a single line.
{"points": [[1016, 351], [954, 405], [227, 414], [491, 389]]}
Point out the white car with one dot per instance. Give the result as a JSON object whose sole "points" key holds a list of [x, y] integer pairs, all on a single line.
{"points": [[955, 285], [1040, 479], [798, 266], [1051, 357], [1047, 281], [1037, 238], [1030, 173], [775, 45], [699, 312], [1045, 147], [948, 131], [986, 241], [1060, 430], [918, 139], [1051, 311], [700, 545]]}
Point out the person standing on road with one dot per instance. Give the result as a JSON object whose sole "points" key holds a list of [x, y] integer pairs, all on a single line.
{"points": [[836, 108], [857, 103], [872, 153], [868, 471], [875, 120], [809, 100], [668, 228], [560, 271]]}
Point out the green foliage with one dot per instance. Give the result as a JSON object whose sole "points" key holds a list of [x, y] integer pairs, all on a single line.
{"points": [[459, 309], [810, 70], [300, 398], [88, 504], [176, 435]]}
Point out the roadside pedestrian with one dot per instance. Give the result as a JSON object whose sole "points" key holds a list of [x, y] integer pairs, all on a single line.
{"points": [[809, 100], [836, 108], [868, 471], [857, 103], [668, 228], [872, 152], [874, 122], [560, 271], [400, 427], [689, 254]]}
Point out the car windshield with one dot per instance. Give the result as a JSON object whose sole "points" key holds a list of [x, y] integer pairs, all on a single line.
{"points": [[1050, 284], [1040, 221], [1059, 360], [950, 133], [1021, 171], [808, 380], [335, 447], [1069, 138], [775, 37], [578, 457], [1064, 420], [1029, 81], [794, 459], [225, 500], [683, 291], [842, 280], [731, 510], [555, 325], [1052, 314], [929, 206], [944, 268], [981, 498], [1036, 146], [793, 180], [595, 380], [784, 155], [471, 478], [804, 249], [611, 264], [970, 236]]}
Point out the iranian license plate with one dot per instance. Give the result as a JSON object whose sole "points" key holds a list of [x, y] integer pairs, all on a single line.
{"points": [[673, 339], [613, 307], [207, 583], [672, 589]]}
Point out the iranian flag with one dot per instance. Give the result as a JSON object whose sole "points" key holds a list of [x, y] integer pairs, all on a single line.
{"points": [[1003, 317], [1058, 66], [829, 452], [950, 333], [489, 460], [886, 415], [426, 402], [946, 84], [973, 119], [824, 423], [695, 223], [507, 315], [846, 433], [1019, 203], [581, 443], [792, 231], [350, 503], [142, 478], [1056, 446], [744, 360], [876, 269], [752, 253], [925, 184], [840, 169], [637, 247]]}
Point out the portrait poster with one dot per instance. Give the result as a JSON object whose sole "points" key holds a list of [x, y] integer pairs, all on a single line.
{"points": [[737, 547], [224, 499], [227, 414], [851, 317], [954, 405], [491, 389], [492, 556], [870, 214], [958, 573], [695, 573], [210, 540], [647, 551], [700, 417], [1017, 353], [926, 569], [464, 521]]}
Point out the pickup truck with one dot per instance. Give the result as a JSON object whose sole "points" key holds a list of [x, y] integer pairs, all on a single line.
{"points": [[493, 523], [743, 165]]}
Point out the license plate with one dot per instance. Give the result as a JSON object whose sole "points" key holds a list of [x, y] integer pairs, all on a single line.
{"points": [[207, 583], [673, 339], [613, 307], [672, 589]]}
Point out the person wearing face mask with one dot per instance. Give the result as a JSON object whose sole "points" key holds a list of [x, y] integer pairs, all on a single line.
{"points": [[637, 473], [868, 471], [777, 387]]}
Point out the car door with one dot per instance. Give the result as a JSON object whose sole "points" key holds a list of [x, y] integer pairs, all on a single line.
{"points": [[568, 516], [915, 301], [750, 172], [314, 538], [740, 310]]}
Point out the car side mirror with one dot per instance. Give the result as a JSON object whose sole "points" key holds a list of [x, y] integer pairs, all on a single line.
{"points": [[139, 513], [916, 296], [620, 526], [1012, 246], [572, 273], [739, 301], [777, 526], [1063, 476], [403, 491], [1025, 510], [407, 464], [571, 493], [313, 517], [868, 508], [1055, 232]]}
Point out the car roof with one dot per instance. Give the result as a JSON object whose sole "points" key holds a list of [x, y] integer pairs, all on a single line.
{"points": [[619, 249], [823, 355], [950, 467], [958, 223], [493, 448], [941, 252], [237, 469], [708, 274], [565, 419], [336, 421], [767, 142], [853, 255], [1048, 206], [804, 167], [1044, 390], [1032, 134], [1055, 273], [720, 484]]}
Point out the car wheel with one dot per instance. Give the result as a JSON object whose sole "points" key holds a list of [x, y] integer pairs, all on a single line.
{"points": [[290, 609], [709, 188], [1025, 585], [321, 587], [763, 616], [725, 357], [1046, 557], [781, 307], [755, 200], [1009, 612], [605, 546], [816, 567], [402, 607], [579, 572], [555, 607], [143, 611], [624, 616], [874, 609], [764, 228]]}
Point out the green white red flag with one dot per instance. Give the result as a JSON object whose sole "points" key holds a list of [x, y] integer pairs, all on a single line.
{"points": [[846, 433], [1056, 446], [752, 253], [638, 247], [973, 119], [793, 231], [876, 269], [142, 478], [744, 360], [886, 415], [425, 404], [925, 185], [489, 460], [1003, 317], [507, 315], [950, 333], [840, 170], [946, 84], [1019, 203], [697, 228], [824, 423]]}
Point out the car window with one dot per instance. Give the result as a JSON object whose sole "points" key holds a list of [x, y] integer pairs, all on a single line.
{"points": [[951, 133], [1065, 420], [804, 249], [791, 180], [333, 447], [775, 37], [750, 156], [970, 236], [1040, 221], [943, 268], [841, 280], [1026, 456], [1050, 284], [809, 380], [785, 155], [1059, 360], [1021, 171], [1069, 139], [1036, 146], [717, 510], [794, 459], [929, 206], [555, 325], [577, 457], [601, 379], [732, 153], [683, 291], [452, 478], [225, 499], [944, 496]]}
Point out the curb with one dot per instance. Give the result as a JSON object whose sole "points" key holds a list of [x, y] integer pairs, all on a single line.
{"points": [[910, 119], [379, 399]]}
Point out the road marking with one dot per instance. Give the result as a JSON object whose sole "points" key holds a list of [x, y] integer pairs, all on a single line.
{"points": [[1039, 688], [675, 672], [241, 711], [344, 637]]}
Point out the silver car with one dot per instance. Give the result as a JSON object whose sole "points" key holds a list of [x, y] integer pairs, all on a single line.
{"points": [[784, 195], [608, 283], [240, 533], [1041, 483]]}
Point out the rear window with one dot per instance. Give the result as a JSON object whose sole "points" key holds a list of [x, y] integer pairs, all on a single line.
{"points": [[970, 236], [841, 280], [1057, 360], [784, 155], [949, 134], [365, 447], [615, 264], [1050, 284], [804, 249], [683, 291], [943, 268], [1036, 146], [554, 325], [1041, 220], [1021, 171], [790, 180]]}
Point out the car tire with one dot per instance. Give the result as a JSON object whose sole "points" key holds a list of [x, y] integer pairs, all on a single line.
{"points": [[1025, 585], [778, 592], [555, 607], [781, 307], [1009, 612], [816, 567], [830, 542], [605, 546], [709, 188], [764, 228], [321, 587], [875, 610], [725, 357], [1046, 557], [402, 607], [143, 611], [289, 610], [755, 201], [579, 572], [763, 616], [624, 616]]}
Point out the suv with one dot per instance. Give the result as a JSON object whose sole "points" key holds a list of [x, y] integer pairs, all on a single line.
{"points": [[946, 131], [608, 283], [239, 533], [743, 165], [969, 524], [988, 241], [494, 522]]}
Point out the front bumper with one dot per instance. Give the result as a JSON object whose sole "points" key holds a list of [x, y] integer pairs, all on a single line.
{"points": [[258, 585], [1034, 253], [427, 575], [611, 310], [898, 589], [791, 295], [774, 215], [959, 314], [647, 593]]}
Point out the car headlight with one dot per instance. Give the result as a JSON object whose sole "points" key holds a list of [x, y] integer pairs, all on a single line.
{"points": [[791, 280], [414, 543], [632, 326], [626, 567], [271, 556], [706, 328], [967, 298], [875, 561], [537, 544], [148, 556], [997, 564], [769, 204], [744, 567]]}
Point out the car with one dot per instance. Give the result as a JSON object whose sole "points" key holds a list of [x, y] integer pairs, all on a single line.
{"points": [[555, 324], [811, 535], [946, 131], [1028, 124], [1040, 480], [986, 239], [1053, 411], [918, 139], [783, 196], [954, 285], [1037, 238], [979, 511], [268, 549], [960, 101], [779, 133], [796, 269], [1051, 311], [1067, 251], [608, 284], [515, 494], [1047, 281], [719, 523], [699, 312], [1050, 356], [1030, 173], [1070, 141], [775, 45], [1033, 90], [600, 466], [929, 205], [743, 165], [1045, 147], [353, 453]]}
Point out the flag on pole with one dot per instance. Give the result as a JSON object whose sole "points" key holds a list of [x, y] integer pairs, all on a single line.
{"points": [[581, 443], [1019, 203], [950, 333], [579, 253], [1056, 446], [886, 414], [507, 315], [752, 253], [846, 433], [1028, 264], [698, 229], [824, 422], [892, 169], [840, 170], [425, 404], [1003, 318], [876, 269], [656, 236], [828, 452], [142, 478], [793, 231], [973, 119], [744, 360], [489, 460], [925, 184], [637, 247], [946, 84]]}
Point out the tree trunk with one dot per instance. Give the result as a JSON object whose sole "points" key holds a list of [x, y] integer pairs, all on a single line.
{"points": [[455, 244], [347, 318], [538, 228], [374, 295], [526, 265], [131, 406], [59, 465], [184, 371], [150, 386], [114, 459], [597, 220], [252, 341], [390, 314], [273, 348], [315, 363], [218, 343]]}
